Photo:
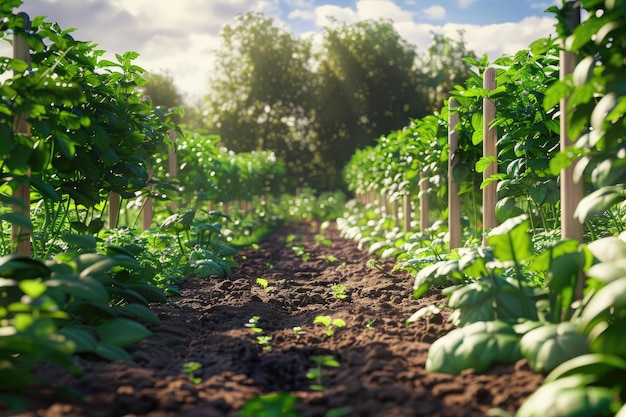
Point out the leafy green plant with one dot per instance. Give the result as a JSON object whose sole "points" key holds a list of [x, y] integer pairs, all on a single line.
{"points": [[270, 405], [339, 291], [253, 324], [317, 373], [301, 252], [265, 284], [330, 324], [190, 369], [298, 331], [261, 339]]}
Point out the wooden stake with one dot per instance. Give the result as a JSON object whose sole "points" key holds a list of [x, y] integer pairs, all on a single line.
{"points": [[114, 209], [20, 236], [424, 202], [172, 164], [406, 212], [571, 192], [490, 195], [454, 202]]}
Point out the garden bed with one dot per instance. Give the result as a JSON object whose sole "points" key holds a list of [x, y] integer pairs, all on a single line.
{"points": [[381, 359]]}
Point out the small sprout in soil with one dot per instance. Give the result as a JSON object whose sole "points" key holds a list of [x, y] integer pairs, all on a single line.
{"points": [[330, 324], [255, 246], [265, 342], [317, 374], [370, 325], [329, 258], [269, 265], [322, 240], [339, 291], [298, 331], [299, 251], [189, 368], [252, 324], [290, 239], [263, 283]]}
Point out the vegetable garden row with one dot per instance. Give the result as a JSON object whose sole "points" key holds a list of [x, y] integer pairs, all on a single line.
{"points": [[79, 137]]}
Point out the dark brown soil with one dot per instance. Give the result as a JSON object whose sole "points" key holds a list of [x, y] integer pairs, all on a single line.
{"points": [[381, 370]]}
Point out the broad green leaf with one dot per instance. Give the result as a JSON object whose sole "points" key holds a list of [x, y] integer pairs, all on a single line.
{"points": [[571, 396], [608, 337], [88, 289], [609, 301], [22, 267], [83, 341], [32, 288], [477, 346], [550, 345], [511, 240], [606, 368], [122, 332], [608, 271], [608, 249], [112, 352], [599, 201], [472, 303], [142, 312]]}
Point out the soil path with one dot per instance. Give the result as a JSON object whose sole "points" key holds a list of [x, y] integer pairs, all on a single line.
{"points": [[381, 360]]}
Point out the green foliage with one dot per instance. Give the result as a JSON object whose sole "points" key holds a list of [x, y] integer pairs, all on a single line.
{"points": [[597, 102], [270, 405], [477, 346], [330, 324], [550, 345]]}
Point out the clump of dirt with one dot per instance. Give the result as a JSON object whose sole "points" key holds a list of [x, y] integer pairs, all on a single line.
{"points": [[381, 359]]}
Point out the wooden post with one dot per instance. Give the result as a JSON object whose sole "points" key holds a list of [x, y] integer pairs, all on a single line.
{"points": [[571, 192], [454, 202], [147, 212], [490, 195], [20, 236], [172, 164], [424, 202], [114, 209], [406, 212]]}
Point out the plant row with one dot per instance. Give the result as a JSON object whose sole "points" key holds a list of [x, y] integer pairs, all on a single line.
{"points": [[527, 293]]}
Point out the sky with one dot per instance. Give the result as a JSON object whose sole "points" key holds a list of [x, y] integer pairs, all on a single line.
{"points": [[181, 37]]}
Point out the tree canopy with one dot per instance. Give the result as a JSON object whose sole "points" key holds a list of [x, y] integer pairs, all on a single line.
{"points": [[315, 103]]}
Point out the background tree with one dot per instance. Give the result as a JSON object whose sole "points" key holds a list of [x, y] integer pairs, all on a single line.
{"points": [[442, 67], [270, 91], [368, 86], [262, 90]]}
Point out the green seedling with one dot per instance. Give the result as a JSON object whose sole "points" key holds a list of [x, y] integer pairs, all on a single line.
{"points": [[264, 341], [265, 285], [290, 239], [330, 324], [370, 325], [329, 258], [321, 240], [299, 251], [252, 324], [339, 291], [190, 368], [298, 331], [317, 374]]}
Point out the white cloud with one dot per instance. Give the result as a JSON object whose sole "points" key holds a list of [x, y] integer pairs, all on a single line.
{"points": [[328, 13], [182, 39], [382, 9], [435, 12]]}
